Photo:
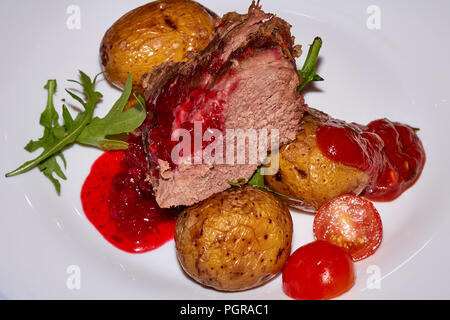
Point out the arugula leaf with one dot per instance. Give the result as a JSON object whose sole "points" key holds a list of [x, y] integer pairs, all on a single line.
{"points": [[49, 120], [308, 72], [115, 122], [83, 129], [50, 167], [257, 181], [51, 142]]}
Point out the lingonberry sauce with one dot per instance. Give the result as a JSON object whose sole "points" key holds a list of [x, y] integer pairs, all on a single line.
{"points": [[119, 202], [202, 106]]}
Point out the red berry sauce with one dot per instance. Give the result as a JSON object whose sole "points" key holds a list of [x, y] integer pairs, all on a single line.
{"points": [[391, 154], [185, 98], [201, 105], [119, 202]]}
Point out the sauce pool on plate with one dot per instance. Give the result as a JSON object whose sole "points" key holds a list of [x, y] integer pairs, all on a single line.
{"points": [[120, 204]]}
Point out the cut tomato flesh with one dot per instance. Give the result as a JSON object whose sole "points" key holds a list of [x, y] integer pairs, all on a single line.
{"points": [[352, 223]]}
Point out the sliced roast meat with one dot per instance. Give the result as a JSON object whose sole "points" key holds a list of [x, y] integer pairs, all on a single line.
{"points": [[245, 79]]}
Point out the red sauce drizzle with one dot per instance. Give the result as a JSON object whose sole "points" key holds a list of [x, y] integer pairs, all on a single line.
{"points": [[391, 154], [120, 204], [201, 105]]}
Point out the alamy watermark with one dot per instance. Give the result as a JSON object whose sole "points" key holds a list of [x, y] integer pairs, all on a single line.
{"points": [[73, 281], [73, 21], [373, 281], [235, 147], [373, 21]]}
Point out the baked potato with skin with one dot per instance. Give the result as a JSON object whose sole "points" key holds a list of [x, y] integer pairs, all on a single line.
{"points": [[152, 34], [306, 174], [235, 240]]}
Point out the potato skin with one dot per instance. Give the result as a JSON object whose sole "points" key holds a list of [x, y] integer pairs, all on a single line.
{"points": [[306, 174], [152, 34], [235, 240]]}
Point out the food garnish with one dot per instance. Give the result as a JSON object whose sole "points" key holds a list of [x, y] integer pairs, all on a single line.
{"points": [[350, 222], [318, 271], [257, 181], [84, 129], [308, 72]]}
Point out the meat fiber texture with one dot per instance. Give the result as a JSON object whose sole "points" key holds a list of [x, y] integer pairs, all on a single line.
{"points": [[249, 69]]}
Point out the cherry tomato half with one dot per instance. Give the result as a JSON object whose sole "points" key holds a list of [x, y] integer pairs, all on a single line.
{"points": [[318, 271], [350, 222]]}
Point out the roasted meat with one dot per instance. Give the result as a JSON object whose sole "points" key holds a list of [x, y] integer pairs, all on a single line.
{"points": [[246, 78]]}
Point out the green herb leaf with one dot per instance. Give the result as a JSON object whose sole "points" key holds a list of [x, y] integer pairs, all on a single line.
{"points": [[115, 122], [48, 119], [68, 120], [83, 129], [55, 139], [308, 72], [50, 167], [257, 181]]}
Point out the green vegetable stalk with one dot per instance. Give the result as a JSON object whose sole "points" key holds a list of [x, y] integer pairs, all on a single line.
{"points": [[308, 72]]}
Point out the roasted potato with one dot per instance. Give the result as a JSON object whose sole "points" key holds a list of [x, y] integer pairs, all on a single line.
{"points": [[235, 240], [306, 174], [155, 33]]}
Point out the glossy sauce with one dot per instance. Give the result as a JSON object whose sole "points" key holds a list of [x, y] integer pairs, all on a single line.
{"points": [[390, 153], [179, 102], [119, 202], [201, 105]]}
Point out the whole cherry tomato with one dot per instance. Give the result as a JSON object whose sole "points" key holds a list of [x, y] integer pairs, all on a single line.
{"points": [[317, 271]]}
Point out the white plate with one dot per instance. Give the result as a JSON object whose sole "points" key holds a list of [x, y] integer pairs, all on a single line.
{"points": [[400, 71]]}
